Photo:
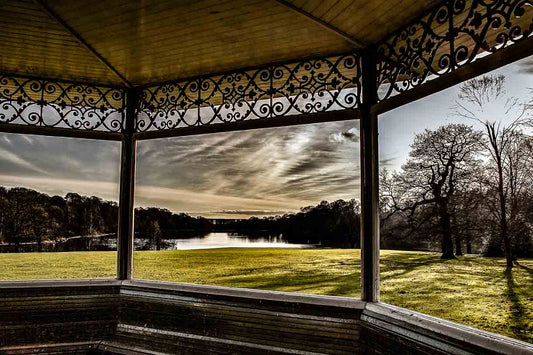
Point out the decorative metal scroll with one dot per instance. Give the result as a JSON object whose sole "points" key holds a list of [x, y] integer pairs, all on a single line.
{"points": [[452, 35], [306, 87], [47, 103]]}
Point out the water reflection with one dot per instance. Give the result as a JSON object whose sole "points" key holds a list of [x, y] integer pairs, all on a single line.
{"points": [[185, 241], [219, 240]]}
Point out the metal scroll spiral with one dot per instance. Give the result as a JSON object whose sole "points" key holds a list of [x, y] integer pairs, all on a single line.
{"points": [[450, 36], [55, 104], [310, 86]]}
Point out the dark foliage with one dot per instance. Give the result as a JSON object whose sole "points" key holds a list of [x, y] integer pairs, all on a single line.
{"points": [[157, 224], [334, 224], [37, 219]]}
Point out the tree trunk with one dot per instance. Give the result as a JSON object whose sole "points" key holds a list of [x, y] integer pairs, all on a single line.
{"points": [[503, 218], [497, 155], [468, 246], [158, 241], [447, 240], [458, 247]]}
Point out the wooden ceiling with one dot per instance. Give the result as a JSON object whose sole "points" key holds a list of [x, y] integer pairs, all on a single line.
{"points": [[126, 42]]}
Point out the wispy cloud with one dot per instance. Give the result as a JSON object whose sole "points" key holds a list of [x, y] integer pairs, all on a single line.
{"points": [[63, 158], [278, 169], [251, 213], [196, 201], [8, 157], [54, 186]]}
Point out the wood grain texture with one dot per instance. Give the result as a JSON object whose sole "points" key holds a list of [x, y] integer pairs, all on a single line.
{"points": [[142, 317], [234, 323], [391, 330], [368, 20], [159, 40], [154, 41], [32, 43], [41, 313]]}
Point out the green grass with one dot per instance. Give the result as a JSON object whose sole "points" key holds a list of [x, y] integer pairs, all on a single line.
{"points": [[470, 290], [71, 265]]}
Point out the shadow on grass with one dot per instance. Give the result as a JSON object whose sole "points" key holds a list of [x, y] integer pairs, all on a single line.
{"points": [[344, 285], [408, 266], [525, 268], [517, 321]]}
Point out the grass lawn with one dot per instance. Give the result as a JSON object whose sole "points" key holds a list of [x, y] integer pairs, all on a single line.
{"points": [[471, 290]]}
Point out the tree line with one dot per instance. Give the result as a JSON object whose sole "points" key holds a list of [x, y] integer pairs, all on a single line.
{"points": [[329, 224], [154, 225], [29, 216]]}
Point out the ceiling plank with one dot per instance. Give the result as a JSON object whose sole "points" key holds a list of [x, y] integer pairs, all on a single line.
{"points": [[323, 23], [81, 40]]}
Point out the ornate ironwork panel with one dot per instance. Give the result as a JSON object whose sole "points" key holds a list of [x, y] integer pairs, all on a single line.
{"points": [[46, 103], [310, 86], [450, 36]]}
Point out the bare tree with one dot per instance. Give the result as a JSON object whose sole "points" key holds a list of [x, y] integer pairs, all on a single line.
{"points": [[477, 101], [440, 163]]}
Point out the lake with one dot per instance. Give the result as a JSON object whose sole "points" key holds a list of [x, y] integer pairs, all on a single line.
{"points": [[221, 240], [207, 241]]}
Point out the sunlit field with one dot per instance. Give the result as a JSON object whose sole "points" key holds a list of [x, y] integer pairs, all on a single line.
{"points": [[471, 290]]}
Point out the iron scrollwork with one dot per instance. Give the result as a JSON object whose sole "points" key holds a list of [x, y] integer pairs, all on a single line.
{"points": [[47, 103], [450, 36], [310, 86]]}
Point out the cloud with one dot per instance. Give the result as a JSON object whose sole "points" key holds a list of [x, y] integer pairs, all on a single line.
{"points": [[59, 157], [8, 157], [526, 66], [351, 135], [307, 165], [54, 186], [251, 213], [181, 200]]}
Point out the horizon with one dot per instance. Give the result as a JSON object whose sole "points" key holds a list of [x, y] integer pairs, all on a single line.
{"points": [[228, 214]]}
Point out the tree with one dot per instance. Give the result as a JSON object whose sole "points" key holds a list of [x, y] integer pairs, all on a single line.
{"points": [[519, 172], [477, 101], [46, 221], [40, 225], [469, 226], [441, 163], [155, 235], [17, 217]]}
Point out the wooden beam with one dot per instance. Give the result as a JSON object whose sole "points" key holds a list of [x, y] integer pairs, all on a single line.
{"points": [[480, 66], [59, 132], [369, 181], [81, 40], [323, 23], [317, 117], [127, 190]]}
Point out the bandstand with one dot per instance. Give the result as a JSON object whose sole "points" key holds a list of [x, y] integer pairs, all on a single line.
{"points": [[128, 71]]}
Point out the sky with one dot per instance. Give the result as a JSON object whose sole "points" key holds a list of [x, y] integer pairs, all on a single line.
{"points": [[257, 172], [236, 174]]}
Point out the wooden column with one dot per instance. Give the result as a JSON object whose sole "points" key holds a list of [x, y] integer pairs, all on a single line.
{"points": [[127, 184], [369, 181]]}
